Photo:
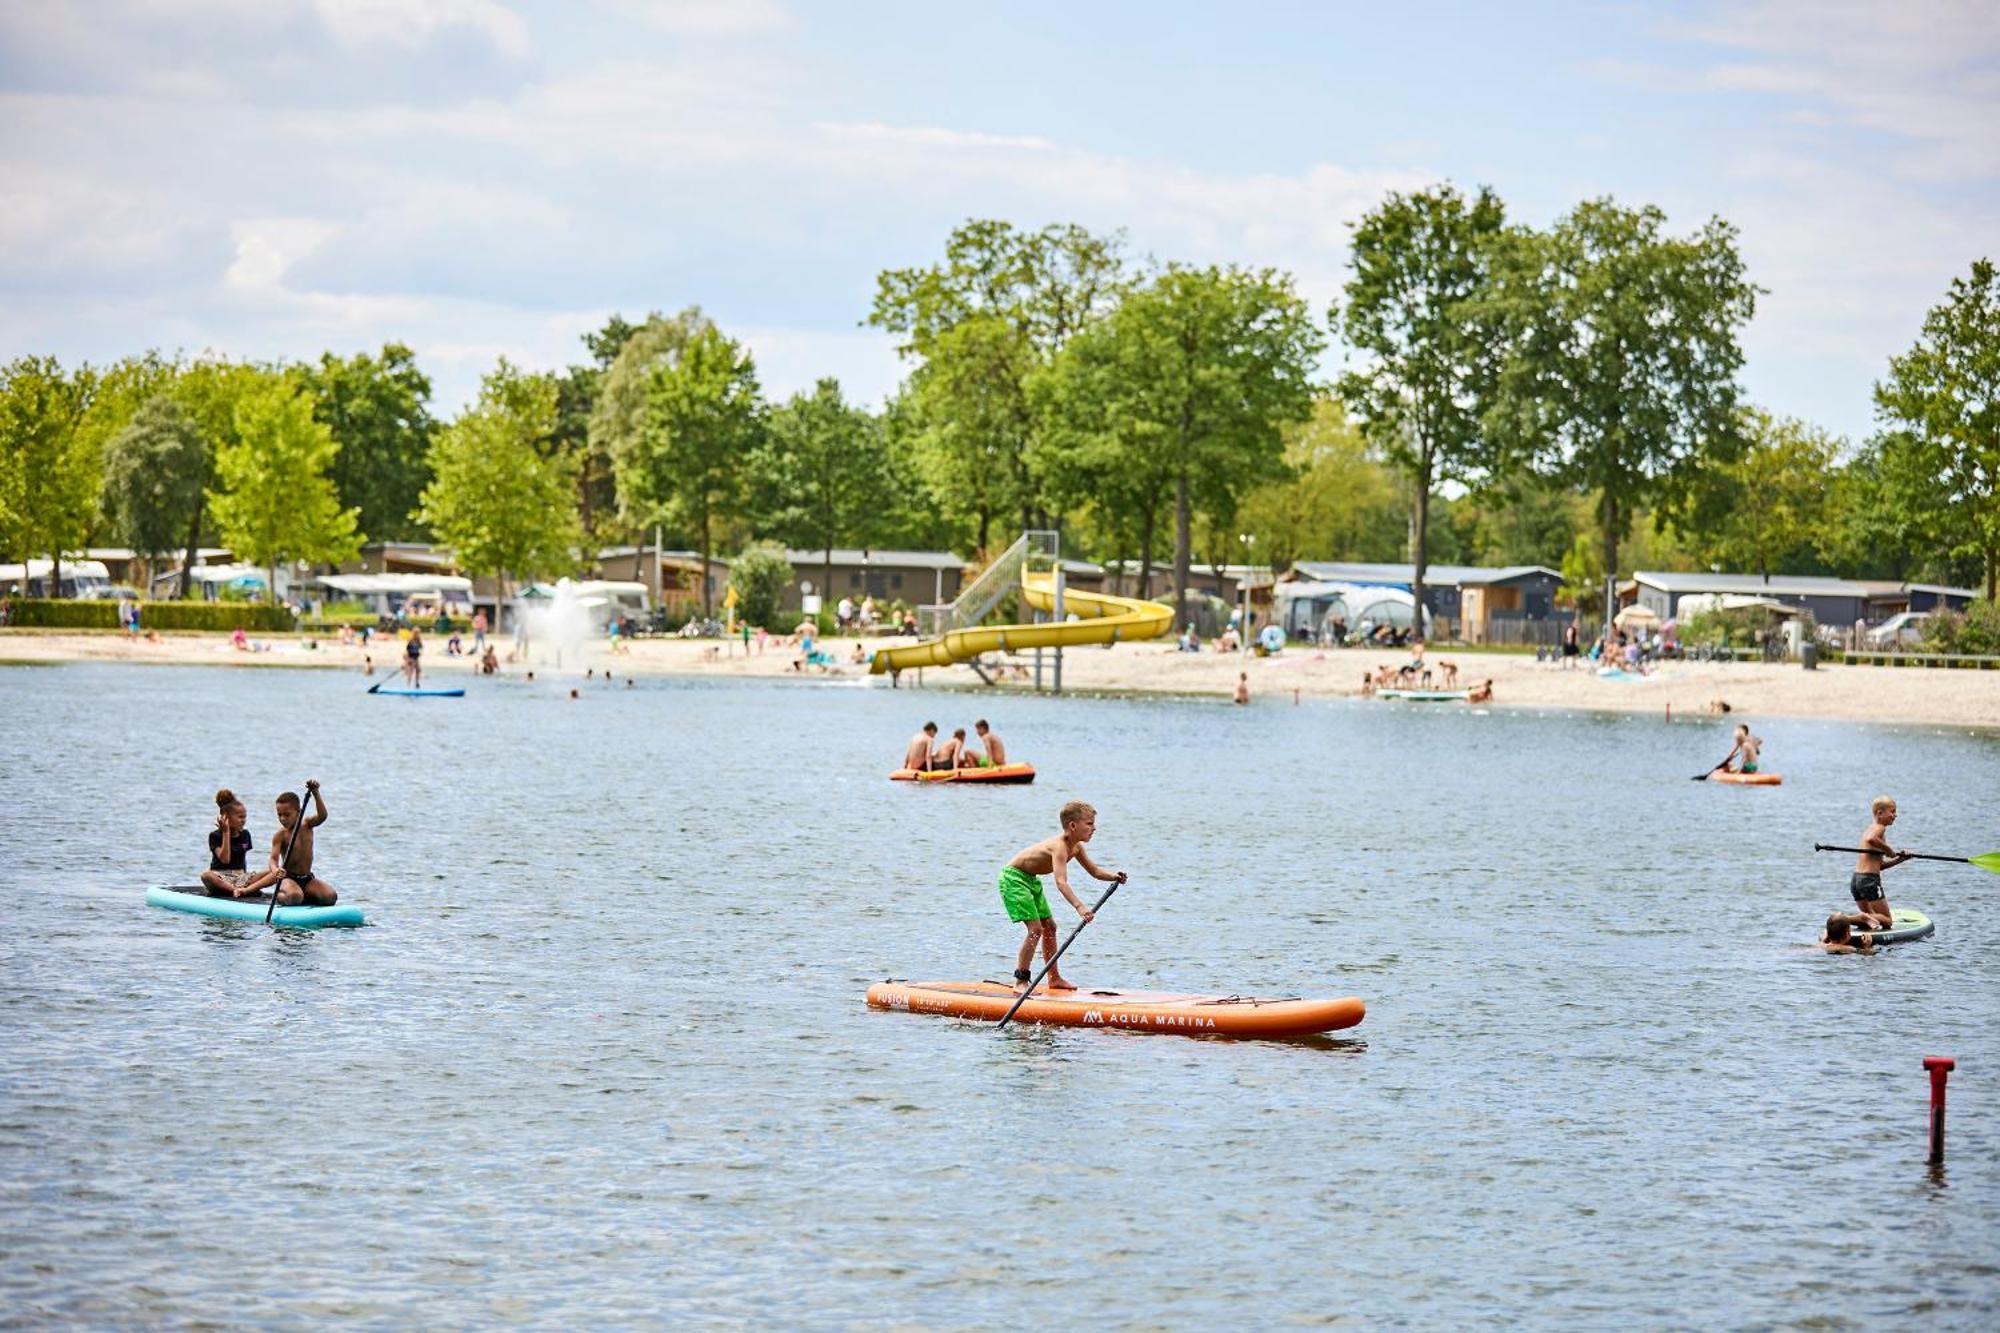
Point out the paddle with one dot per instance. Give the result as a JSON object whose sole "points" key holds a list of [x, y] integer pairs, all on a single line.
{"points": [[1050, 965], [1985, 860], [285, 861], [1703, 777]]}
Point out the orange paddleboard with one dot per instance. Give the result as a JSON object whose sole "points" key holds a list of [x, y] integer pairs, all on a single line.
{"points": [[1134, 1010], [1748, 779], [1000, 773]]}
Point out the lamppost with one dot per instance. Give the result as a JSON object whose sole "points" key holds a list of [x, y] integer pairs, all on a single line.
{"points": [[1249, 539]]}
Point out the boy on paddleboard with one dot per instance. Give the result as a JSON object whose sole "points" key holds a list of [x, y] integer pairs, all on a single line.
{"points": [[1877, 856], [1744, 751], [1021, 887], [296, 882]]}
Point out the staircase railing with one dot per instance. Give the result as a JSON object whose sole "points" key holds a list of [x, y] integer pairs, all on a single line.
{"points": [[1035, 549]]}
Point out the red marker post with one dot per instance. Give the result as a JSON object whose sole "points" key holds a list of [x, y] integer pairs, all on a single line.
{"points": [[1940, 1067]]}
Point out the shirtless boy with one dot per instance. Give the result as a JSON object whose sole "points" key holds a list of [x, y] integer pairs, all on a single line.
{"points": [[292, 853], [1744, 751], [917, 754], [945, 757], [1877, 856], [996, 753], [1021, 887]]}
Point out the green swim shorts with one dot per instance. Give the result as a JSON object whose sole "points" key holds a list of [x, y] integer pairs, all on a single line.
{"points": [[1022, 894]]}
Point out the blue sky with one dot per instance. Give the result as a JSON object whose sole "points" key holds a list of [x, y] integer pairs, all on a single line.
{"points": [[479, 178]]}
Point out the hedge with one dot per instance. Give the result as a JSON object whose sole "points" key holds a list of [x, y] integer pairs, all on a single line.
{"points": [[51, 613]]}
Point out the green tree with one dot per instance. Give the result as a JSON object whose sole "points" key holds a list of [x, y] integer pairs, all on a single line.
{"points": [[1521, 520], [378, 410], [1421, 264], [760, 575], [155, 470], [276, 501], [1337, 500], [1189, 383], [981, 325], [207, 393], [578, 390], [1620, 372], [1942, 399], [970, 409], [704, 419], [617, 422], [505, 505], [817, 476], [52, 473], [1774, 505]]}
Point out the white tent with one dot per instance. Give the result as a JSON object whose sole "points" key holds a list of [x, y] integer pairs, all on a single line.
{"points": [[1305, 606], [387, 594], [1702, 603]]}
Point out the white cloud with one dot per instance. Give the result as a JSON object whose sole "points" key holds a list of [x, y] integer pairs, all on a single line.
{"points": [[706, 17], [1922, 70], [792, 360], [412, 24]]}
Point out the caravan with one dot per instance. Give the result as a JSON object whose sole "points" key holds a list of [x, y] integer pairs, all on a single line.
{"points": [[80, 579]]}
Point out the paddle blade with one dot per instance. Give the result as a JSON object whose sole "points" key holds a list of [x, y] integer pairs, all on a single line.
{"points": [[1988, 861]]}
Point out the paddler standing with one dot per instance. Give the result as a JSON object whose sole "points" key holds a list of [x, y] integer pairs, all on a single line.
{"points": [[1021, 887]]}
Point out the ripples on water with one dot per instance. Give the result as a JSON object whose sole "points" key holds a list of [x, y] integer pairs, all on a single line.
{"points": [[601, 1055]]}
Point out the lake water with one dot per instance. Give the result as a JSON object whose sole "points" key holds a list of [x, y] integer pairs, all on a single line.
{"points": [[601, 1056]]}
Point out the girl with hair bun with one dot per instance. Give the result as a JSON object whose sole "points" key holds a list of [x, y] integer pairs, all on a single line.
{"points": [[229, 843]]}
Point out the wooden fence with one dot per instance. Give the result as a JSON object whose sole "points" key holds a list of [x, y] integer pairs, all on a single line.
{"points": [[1975, 661]]}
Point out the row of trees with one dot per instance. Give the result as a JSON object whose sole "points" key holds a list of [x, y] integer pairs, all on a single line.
{"points": [[1509, 394]]}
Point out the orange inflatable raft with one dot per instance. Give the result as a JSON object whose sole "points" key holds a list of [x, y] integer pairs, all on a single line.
{"points": [[1748, 779], [1134, 1010], [998, 773]]}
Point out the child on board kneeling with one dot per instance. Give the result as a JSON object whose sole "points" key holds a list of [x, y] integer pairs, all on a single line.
{"points": [[1021, 887]]}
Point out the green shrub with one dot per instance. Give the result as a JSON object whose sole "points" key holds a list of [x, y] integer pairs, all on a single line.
{"points": [[1729, 629], [759, 576], [51, 613], [1976, 632]]}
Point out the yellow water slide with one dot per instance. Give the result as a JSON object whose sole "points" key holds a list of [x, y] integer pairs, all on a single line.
{"points": [[1102, 619]]}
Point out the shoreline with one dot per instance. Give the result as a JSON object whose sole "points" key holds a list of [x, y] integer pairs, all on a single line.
{"points": [[1957, 698]]}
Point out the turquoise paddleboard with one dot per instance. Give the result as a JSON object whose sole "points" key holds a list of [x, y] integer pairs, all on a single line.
{"points": [[422, 694], [1425, 696], [193, 900]]}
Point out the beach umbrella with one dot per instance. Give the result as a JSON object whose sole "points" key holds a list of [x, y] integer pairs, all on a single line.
{"points": [[1636, 614]]}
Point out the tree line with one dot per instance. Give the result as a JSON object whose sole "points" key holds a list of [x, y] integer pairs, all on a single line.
{"points": [[1504, 394]]}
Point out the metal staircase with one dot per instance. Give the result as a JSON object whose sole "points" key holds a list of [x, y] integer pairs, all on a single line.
{"points": [[1035, 550]]}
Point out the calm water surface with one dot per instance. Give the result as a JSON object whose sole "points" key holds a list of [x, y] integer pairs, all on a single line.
{"points": [[601, 1054]]}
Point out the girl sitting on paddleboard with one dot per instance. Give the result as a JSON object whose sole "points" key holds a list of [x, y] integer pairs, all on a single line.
{"points": [[228, 875], [1021, 887]]}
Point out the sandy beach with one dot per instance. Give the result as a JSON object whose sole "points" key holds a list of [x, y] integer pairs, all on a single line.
{"points": [[1955, 698]]}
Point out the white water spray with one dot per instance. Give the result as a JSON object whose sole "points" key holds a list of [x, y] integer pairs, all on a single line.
{"points": [[559, 625]]}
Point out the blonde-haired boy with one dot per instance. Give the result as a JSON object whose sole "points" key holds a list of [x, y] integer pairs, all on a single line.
{"points": [[1021, 887], [1876, 856]]}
